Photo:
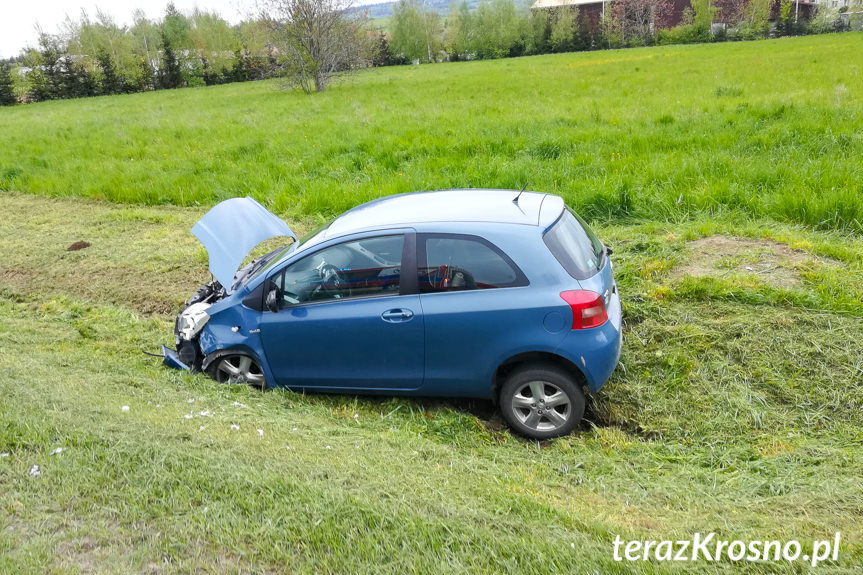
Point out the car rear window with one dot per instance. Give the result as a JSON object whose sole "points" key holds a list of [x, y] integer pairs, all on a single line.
{"points": [[454, 262], [575, 246]]}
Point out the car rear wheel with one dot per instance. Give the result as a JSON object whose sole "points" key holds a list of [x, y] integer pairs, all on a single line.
{"points": [[237, 368], [541, 402]]}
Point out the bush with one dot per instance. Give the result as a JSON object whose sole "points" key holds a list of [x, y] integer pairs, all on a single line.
{"points": [[685, 34]]}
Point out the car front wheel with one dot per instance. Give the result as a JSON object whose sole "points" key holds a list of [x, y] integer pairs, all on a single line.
{"points": [[541, 402], [237, 368]]}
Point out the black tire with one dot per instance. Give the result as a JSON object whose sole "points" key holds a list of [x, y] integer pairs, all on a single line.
{"points": [[558, 412], [237, 368]]}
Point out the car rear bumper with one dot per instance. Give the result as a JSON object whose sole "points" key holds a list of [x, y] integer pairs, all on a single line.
{"points": [[596, 351]]}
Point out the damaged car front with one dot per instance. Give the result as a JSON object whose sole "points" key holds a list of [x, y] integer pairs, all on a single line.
{"points": [[211, 318]]}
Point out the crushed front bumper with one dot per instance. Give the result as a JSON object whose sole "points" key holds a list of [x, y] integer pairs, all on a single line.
{"points": [[171, 359]]}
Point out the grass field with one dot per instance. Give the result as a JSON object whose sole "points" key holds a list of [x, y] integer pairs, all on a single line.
{"points": [[768, 129], [738, 407]]}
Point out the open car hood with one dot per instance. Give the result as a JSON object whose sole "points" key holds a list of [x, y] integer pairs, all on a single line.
{"points": [[231, 230]]}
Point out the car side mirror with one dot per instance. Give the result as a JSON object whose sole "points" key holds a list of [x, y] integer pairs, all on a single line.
{"points": [[273, 300]]}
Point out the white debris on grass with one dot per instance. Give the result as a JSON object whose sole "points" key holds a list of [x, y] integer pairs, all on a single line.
{"points": [[4, 455], [188, 416], [261, 432], [205, 413], [34, 471], [294, 429], [356, 416], [124, 408], [190, 400], [201, 428], [57, 451], [238, 404], [328, 447], [235, 427]]}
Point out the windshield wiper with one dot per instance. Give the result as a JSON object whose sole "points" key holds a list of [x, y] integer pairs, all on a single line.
{"points": [[254, 267]]}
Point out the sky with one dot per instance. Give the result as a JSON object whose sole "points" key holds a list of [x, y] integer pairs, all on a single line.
{"points": [[19, 18]]}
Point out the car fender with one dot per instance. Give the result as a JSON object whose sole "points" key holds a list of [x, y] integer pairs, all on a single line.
{"points": [[242, 349], [219, 353], [514, 355]]}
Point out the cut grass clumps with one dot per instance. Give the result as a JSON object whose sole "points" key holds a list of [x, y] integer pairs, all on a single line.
{"points": [[736, 409]]}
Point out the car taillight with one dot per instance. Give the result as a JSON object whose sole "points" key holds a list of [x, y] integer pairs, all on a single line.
{"points": [[588, 309]]}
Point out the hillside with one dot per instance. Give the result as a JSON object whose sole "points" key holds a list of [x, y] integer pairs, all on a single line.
{"points": [[767, 128], [727, 180], [385, 9]]}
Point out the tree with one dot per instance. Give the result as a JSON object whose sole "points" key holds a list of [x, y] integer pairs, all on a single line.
{"points": [[730, 12], [537, 32], [459, 30], [756, 19], [111, 82], [242, 68], [638, 20], [432, 34], [563, 26], [383, 56], [145, 40], [176, 28], [170, 75], [316, 40], [786, 20], [77, 80], [45, 80], [497, 28], [145, 77], [7, 86], [409, 31], [703, 13], [213, 39]]}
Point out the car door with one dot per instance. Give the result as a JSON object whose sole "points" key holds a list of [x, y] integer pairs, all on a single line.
{"points": [[347, 317], [469, 316]]}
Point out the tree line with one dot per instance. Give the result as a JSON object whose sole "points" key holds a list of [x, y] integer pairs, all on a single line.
{"points": [[96, 56], [307, 42], [498, 28]]}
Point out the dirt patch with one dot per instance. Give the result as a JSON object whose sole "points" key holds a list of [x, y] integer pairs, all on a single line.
{"points": [[771, 262], [79, 245]]}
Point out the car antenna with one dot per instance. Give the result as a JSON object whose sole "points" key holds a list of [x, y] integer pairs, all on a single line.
{"points": [[515, 200]]}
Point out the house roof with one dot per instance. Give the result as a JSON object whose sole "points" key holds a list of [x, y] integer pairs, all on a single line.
{"points": [[558, 3]]}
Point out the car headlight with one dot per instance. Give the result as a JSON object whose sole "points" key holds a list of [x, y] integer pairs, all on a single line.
{"points": [[192, 320]]}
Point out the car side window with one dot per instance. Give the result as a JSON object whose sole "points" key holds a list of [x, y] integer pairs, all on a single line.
{"points": [[361, 268], [452, 262]]}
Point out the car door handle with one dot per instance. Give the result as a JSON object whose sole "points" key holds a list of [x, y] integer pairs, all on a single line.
{"points": [[397, 315]]}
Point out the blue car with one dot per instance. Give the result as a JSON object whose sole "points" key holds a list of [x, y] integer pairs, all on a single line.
{"points": [[494, 294]]}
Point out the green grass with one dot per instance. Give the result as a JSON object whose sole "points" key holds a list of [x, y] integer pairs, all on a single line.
{"points": [[769, 128], [737, 408]]}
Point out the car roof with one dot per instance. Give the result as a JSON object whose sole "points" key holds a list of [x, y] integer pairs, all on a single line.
{"points": [[472, 205]]}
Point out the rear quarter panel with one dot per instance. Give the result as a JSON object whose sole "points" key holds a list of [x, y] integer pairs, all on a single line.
{"points": [[470, 333]]}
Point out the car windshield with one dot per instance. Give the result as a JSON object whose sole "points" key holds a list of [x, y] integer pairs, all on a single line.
{"points": [[276, 256], [575, 246]]}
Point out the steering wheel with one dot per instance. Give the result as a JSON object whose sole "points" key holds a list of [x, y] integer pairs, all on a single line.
{"points": [[331, 285], [456, 278]]}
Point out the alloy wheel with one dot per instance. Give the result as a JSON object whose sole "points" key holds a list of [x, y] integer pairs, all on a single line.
{"points": [[239, 369], [541, 406]]}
